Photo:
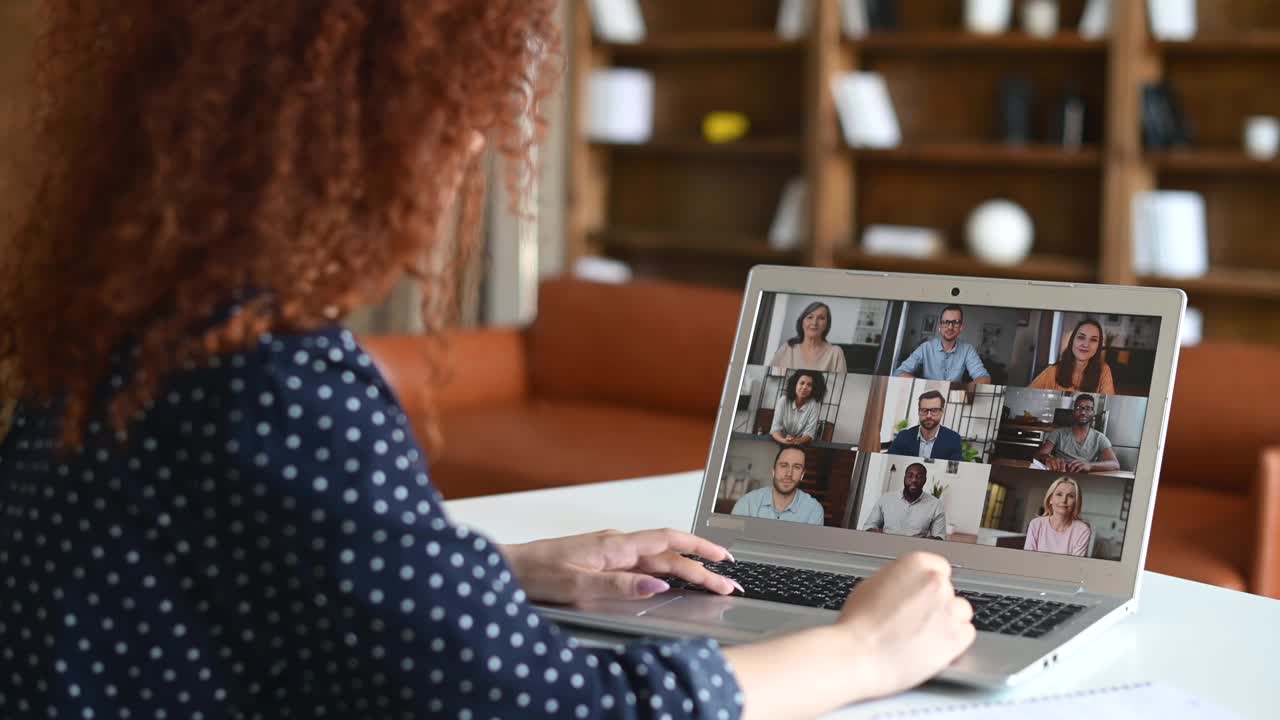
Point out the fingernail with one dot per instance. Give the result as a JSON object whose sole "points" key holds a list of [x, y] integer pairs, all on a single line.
{"points": [[737, 585], [652, 586], [729, 555]]}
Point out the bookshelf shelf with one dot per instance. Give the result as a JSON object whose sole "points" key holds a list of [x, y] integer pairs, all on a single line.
{"points": [[932, 42], [709, 42], [1042, 267], [683, 243], [763, 147], [1224, 161], [1248, 43], [1225, 282], [984, 155]]}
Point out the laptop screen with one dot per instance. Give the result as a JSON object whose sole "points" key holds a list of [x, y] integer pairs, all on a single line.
{"points": [[1007, 427]]}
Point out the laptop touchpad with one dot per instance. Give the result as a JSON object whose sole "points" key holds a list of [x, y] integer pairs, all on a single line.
{"points": [[728, 612]]}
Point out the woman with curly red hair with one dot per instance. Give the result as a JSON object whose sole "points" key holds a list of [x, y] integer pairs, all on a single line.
{"points": [[213, 504]]}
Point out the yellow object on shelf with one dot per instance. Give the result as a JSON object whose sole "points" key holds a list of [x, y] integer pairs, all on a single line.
{"points": [[724, 127]]}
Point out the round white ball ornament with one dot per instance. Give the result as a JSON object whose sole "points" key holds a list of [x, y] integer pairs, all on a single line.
{"points": [[1000, 232]]}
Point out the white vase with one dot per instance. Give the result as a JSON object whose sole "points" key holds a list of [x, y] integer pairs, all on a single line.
{"points": [[1040, 17], [987, 17]]}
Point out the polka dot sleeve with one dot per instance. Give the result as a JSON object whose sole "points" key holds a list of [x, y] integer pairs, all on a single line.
{"points": [[395, 608]]}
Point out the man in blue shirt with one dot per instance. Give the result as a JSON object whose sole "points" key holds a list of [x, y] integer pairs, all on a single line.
{"points": [[784, 500], [946, 357], [929, 439]]}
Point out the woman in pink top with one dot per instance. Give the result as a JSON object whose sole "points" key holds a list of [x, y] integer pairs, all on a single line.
{"points": [[1060, 529]]}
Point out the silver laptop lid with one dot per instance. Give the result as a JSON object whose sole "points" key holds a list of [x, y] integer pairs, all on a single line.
{"points": [[939, 455]]}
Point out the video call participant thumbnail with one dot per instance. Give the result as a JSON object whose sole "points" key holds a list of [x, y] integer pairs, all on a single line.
{"points": [[910, 512], [1060, 529], [929, 439], [809, 348], [784, 500], [946, 357], [1078, 448], [1082, 365], [795, 420]]}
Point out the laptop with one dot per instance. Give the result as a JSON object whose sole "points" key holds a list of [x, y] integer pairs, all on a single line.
{"points": [[865, 415]]}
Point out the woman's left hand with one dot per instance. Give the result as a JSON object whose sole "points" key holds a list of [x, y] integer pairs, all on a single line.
{"points": [[614, 565]]}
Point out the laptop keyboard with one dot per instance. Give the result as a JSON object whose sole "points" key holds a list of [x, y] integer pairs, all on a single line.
{"points": [[1004, 614], [779, 583]]}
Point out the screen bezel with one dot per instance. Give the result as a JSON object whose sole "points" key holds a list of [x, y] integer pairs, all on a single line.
{"points": [[1096, 575]]}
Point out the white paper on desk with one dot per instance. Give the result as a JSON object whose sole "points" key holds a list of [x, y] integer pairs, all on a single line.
{"points": [[1037, 465], [1129, 702]]}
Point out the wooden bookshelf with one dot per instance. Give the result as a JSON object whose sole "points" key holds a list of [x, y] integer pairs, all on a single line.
{"points": [[984, 155], [697, 147], [745, 248], [679, 207], [1225, 282], [1042, 267], [938, 42], [1212, 161], [709, 42], [1247, 44]]}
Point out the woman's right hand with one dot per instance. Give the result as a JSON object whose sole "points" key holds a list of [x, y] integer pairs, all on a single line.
{"points": [[898, 629], [906, 624]]}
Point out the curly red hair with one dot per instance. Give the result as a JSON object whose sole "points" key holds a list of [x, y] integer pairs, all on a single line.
{"points": [[190, 148]]}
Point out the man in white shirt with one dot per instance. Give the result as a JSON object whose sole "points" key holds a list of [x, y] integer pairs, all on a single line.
{"points": [[910, 512], [784, 500]]}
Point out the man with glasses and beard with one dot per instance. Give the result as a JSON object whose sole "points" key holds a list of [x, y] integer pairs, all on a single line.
{"points": [[912, 512], [929, 439], [946, 357], [1078, 448], [784, 500]]}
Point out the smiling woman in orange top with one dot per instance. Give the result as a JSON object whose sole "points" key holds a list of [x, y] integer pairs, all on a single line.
{"points": [[1082, 367]]}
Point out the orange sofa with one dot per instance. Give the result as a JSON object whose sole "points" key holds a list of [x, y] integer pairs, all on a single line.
{"points": [[608, 382], [619, 381]]}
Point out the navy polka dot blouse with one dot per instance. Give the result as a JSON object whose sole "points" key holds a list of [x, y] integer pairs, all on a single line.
{"points": [[268, 544]]}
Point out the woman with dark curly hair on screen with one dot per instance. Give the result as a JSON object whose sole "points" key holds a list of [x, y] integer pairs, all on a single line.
{"points": [[214, 506], [795, 420]]}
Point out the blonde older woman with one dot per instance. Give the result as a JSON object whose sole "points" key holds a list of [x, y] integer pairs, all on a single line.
{"points": [[1060, 529]]}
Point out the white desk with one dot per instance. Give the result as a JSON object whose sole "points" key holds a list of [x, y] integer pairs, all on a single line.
{"points": [[1221, 645]]}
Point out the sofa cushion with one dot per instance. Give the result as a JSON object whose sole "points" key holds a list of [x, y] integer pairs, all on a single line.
{"points": [[1201, 535], [1221, 416], [653, 345], [542, 444]]}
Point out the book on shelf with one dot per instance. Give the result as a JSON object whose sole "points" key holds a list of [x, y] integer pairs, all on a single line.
{"points": [[1169, 235], [1164, 125], [620, 105], [790, 221], [902, 241], [1095, 21], [882, 14], [1067, 125], [1017, 97], [618, 21], [1172, 19], [794, 18], [854, 22], [867, 118]]}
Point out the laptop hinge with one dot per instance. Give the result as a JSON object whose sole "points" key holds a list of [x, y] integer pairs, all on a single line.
{"points": [[801, 556], [969, 577]]}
